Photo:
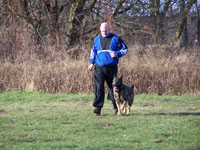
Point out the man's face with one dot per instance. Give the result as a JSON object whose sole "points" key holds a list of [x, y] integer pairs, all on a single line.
{"points": [[104, 30]]}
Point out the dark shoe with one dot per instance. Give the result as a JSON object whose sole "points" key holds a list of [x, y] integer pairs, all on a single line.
{"points": [[97, 111]]}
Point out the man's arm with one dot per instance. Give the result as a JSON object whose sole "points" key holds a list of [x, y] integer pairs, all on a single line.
{"points": [[122, 48], [92, 57], [93, 53], [91, 67]]}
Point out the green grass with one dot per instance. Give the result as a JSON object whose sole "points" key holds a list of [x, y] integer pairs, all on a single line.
{"points": [[66, 121]]}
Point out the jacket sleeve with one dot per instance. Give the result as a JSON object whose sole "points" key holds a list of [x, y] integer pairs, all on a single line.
{"points": [[122, 48], [93, 53]]}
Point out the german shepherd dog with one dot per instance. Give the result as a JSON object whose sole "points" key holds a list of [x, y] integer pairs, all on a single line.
{"points": [[123, 95]]}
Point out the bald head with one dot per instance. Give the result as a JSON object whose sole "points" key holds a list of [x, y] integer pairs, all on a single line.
{"points": [[104, 29]]}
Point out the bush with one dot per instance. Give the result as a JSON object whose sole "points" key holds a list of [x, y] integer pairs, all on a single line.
{"points": [[152, 69]]}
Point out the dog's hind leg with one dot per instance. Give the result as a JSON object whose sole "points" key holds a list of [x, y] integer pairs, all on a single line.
{"points": [[128, 110], [123, 106]]}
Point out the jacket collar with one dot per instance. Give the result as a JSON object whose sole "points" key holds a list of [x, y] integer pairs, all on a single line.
{"points": [[109, 35]]}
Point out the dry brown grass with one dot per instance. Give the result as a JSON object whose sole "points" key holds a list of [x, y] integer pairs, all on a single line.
{"points": [[163, 69], [153, 69], [27, 66]]}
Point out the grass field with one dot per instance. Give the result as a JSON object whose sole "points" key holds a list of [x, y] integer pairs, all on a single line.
{"points": [[30, 121]]}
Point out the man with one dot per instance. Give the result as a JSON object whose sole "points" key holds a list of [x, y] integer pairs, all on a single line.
{"points": [[106, 50]]}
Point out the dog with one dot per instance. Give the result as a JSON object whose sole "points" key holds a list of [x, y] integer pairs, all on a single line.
{"points": [[123, 95]]}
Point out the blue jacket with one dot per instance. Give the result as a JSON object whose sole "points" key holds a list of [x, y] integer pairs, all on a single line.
{"points": [[101, 47]]}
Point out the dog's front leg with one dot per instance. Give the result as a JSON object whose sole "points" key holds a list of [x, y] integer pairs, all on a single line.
{"points": [[118, 107]]}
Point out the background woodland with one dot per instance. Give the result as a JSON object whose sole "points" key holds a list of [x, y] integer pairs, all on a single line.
{"points": [[45, 44]]}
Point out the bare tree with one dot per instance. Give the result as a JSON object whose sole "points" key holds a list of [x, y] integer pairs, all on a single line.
{"points": [[198, 24], [54, 12], [68, 22], [46, 17], [184, 39], [157, 14], [182, 27], [77, 20]]}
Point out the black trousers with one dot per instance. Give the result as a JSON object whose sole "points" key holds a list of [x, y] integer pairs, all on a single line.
{"points": [[102, 74]]}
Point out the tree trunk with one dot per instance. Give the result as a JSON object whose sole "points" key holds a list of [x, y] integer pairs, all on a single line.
{"points": [[53, 15], [72, 31], [184, 39], [182, 23], [198, 31], [152, 13], [157, 18], [198, 25], [160, 19], [85, 17]]}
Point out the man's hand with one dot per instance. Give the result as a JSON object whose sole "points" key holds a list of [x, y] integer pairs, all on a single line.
{"points": [[113, 54], [91, 67]]}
